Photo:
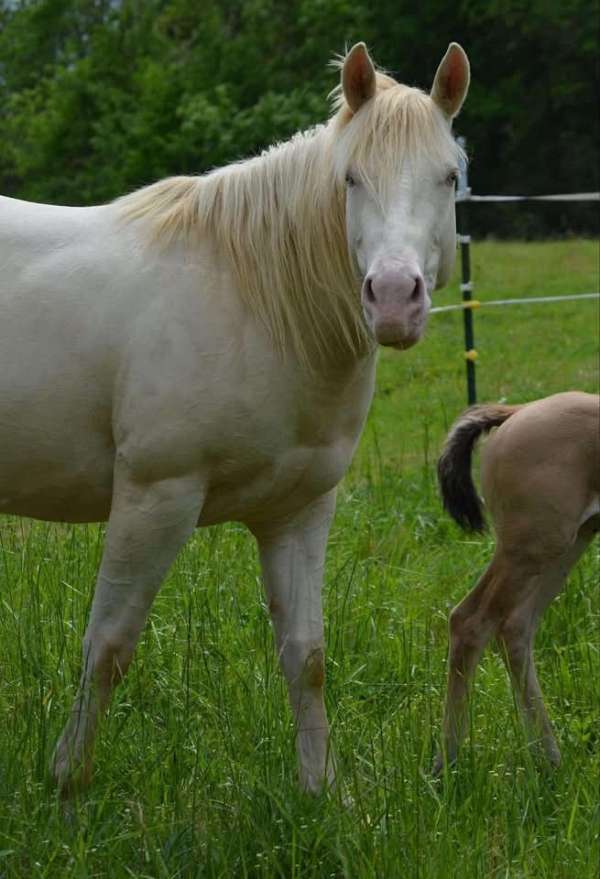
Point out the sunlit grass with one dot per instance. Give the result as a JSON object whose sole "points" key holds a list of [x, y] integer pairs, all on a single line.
{"points": [[195, 766]]}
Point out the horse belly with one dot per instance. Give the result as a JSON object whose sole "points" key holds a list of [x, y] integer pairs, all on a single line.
{"points": [[55, 435], [63, 478]]}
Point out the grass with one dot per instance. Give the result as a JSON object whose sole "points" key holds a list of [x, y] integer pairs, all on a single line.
{"points": [[195, 769]]}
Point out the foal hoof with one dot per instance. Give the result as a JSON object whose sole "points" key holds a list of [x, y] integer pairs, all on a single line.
{"points": [[441, 763], [437, 768], [547, 759]]}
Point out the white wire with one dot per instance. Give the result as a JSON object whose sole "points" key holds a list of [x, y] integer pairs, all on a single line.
{"points": [[465, 195], [461, 306]]}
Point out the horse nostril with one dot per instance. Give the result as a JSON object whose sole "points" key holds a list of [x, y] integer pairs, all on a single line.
{"points": [[416, 293], [369, 295]]}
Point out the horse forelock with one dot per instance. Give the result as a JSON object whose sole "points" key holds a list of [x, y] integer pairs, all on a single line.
{"points": [[279, 218], [399, 124]]}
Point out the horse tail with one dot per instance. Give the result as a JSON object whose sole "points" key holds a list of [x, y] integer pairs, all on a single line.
{"points": [[458, 492]]}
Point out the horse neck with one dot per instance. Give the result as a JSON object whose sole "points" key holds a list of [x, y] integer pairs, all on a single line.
{"points": [[280, 219]]}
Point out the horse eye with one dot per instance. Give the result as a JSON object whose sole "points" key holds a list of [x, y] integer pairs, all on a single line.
{"points": [[452, 178], [350, 181]]}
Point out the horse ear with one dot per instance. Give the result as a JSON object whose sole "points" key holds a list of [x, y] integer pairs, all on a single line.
{"points": [[358, 77], [451, 82]]}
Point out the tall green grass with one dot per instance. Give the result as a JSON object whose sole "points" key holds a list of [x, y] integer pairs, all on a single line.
{"points": [[195, 766]]}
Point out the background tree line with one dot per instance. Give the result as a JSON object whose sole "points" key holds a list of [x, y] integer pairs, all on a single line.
{"points": [[100, 96]]}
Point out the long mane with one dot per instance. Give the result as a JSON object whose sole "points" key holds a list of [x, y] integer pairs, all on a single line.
{"points": [[279, 218]]}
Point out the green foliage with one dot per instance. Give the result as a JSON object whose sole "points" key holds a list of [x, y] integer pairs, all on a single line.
{"points": [[100, 96]]}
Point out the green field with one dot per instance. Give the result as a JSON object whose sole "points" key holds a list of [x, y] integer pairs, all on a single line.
{"points": [[195, 766]]}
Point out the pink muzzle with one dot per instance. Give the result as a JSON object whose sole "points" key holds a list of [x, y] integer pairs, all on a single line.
{"points": [[395, 304]]}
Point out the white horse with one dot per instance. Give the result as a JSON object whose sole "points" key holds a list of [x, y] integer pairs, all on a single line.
{"points": [[203, 350]]}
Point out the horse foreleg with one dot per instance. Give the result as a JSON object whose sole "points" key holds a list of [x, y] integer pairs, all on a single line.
{"points": [[147, 527], [292, 558]]}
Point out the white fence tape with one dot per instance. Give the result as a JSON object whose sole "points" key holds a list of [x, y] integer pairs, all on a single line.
{"points": [[477, 303], [466, 195]]}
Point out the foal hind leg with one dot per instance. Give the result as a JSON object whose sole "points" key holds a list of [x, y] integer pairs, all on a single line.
{"points": [[147, 527], [471, 627], [516, 638]]}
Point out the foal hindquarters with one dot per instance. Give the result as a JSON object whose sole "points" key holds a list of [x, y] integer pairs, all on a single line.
{"points": [[540, 481], [507, 603]]}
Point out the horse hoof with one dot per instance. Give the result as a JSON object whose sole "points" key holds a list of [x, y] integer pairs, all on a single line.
{"points": [[68, 777], [437, 768]]}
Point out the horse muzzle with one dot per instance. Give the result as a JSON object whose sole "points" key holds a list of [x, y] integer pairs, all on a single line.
{"points": [[396, 303]]}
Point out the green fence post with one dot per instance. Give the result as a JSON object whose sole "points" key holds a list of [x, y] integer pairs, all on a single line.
{"points": [[463, 194]]}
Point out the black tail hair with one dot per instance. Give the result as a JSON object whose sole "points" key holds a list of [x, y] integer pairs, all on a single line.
{"points": [[458, 492]]}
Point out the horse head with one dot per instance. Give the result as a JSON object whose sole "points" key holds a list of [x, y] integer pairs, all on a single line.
{"points": [[399, 161]]}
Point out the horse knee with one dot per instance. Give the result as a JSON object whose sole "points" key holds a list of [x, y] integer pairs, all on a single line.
{"points": [[314, 668], [107, 658], [467, 635], [303, 663], [515, 639]]}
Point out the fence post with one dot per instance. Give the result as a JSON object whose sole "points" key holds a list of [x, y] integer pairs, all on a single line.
{"points": [[463, 193]]}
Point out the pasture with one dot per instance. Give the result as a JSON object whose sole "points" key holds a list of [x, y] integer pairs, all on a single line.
{"points": [[195, 766]]}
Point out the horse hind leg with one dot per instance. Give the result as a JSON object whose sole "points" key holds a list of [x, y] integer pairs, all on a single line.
{"points": [[471, 627], [516, 644], [147, 527], [516, 638]]}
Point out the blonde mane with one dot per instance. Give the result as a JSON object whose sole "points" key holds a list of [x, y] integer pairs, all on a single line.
{"points": [[279, 218]]}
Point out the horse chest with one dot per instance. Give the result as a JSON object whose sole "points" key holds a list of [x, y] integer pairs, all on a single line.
{"points": [[284, 455], [275, 486], [263, 441]]}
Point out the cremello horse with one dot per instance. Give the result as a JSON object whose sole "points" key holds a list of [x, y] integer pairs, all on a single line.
{"points": [[540, 474], [203, 350]]}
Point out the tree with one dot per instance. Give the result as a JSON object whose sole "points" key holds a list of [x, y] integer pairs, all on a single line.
{"points": [[100, 96]]}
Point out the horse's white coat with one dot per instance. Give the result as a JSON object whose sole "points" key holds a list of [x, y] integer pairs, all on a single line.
{"points": [[138, 385]]}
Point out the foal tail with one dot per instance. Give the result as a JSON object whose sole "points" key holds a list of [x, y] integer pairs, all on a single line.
{"points": [[459, 496]]}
